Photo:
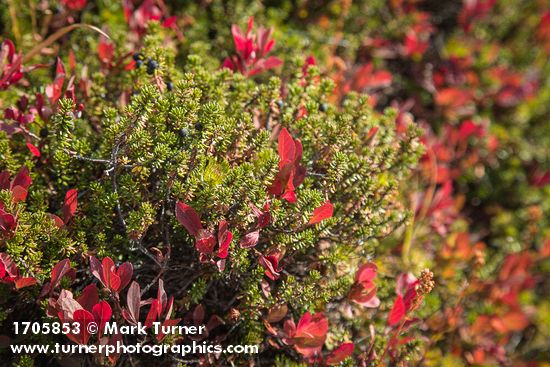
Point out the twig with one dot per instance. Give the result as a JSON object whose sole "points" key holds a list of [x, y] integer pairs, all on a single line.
{"points": [[113, 162], [88, 159], [387, 347], [317, 174], [153, 282], [140, 247]]}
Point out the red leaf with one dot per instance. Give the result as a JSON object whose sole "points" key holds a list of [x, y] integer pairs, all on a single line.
{"points": [[366, 272], [363, 291], [366, 78], [221, 264], [271, 62], [228, 64], [60, 270], [109, 275], [66, 305], [467, 129], [397, 312], [310, 334], [162, 297], [286, 148], [170, 22], [105, 51], [344, 351], [188, 217], [4, 180], [72, 61], [238, 38], [57, 221], [7, 221], [404, 282], [205, 242], [24, 282], [263, 216], [409, 297], [2, 271], [152, 314], [364, 294], [515, 321], [198, 314], [96, 268], [102, 313], [130, 66], [74, 4], [89, 297], [9, 265], [312, 326], [321, 213], [453, 98], [289, 196], [381, 78], [271, 266], [133, 300], [224, 239], [22, 178], [19, 194], [34, 150], [69, 207], [250, 240], [290, 174], [289, 327], [125, 272], [372, 132], [83, 318], [54, 90]]}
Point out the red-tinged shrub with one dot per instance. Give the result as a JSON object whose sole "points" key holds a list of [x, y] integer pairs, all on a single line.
{"points": [[161, 311], [205, 240], [10, 65], [113, 278], [137, 17], [73, 311], [363, 290], [308, 338], [309, 335], [251, 50]]}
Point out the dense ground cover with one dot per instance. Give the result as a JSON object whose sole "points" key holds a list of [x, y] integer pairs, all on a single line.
{"points": [[341, 183]]}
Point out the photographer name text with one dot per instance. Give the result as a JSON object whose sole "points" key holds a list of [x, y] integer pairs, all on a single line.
{"points": [[107, 328]]}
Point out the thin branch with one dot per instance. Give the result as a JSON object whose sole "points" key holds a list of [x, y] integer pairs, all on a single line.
{"points": [[113, 162], [152, 282], [87, 159]]}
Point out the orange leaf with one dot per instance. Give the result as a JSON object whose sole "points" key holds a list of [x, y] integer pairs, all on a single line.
{"points": [[321, 213]]}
